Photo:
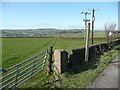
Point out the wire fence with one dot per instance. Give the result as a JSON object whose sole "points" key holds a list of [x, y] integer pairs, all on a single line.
{"points": [[17, 75]]}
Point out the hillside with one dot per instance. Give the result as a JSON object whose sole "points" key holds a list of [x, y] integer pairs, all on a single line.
{"points": [[38, 32]]}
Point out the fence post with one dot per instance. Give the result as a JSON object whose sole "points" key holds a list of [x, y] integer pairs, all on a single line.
{"points": [[50, 60]]}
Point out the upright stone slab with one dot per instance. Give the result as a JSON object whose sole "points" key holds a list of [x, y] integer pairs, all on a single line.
{"points": [[60, 61], [57, 61]]}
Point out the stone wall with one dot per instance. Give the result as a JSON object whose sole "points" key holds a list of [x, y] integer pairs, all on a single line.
{"points": [[63, 63]]}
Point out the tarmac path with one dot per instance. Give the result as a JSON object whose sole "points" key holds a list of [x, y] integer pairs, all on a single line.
{"points": [[109, 77]]}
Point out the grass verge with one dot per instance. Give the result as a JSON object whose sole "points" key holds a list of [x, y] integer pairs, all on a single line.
{"points": [[87, 72]]}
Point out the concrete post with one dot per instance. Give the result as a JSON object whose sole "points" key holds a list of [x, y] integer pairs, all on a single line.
{"points": [[87, 43], [60, 61]]}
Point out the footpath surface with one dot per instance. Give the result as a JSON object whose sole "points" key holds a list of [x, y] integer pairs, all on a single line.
{"points": [[109, 77]]}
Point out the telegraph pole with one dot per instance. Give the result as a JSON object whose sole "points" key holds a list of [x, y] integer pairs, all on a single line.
{"points": [[85, 13], [93, 20], [87, 43]]}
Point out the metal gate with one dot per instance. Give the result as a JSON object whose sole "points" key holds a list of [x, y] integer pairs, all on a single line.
{"points": [[17, 75]]}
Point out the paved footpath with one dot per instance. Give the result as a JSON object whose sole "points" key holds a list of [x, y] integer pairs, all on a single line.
{"points": [[109, 77]]}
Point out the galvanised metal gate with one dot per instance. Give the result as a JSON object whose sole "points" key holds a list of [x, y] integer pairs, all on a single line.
{"points": [[16, 75]]}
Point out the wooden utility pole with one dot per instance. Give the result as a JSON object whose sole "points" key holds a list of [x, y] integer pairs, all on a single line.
{"points": [[93, 20], [86, 13], [87, 43]]}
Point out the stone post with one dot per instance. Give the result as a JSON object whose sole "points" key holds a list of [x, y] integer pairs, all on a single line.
{"points": [[60, 61]]}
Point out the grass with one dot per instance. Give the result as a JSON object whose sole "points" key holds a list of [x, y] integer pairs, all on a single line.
{"points": [[87, 72], [15, 50], [96, 34], [0, 52], [118, 48]]}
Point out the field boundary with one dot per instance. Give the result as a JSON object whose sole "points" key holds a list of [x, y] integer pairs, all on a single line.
{"points": [[18, 74], [65, 61]]}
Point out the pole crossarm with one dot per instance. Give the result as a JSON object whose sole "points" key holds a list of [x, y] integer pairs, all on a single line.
{"points": [[85, 20]]}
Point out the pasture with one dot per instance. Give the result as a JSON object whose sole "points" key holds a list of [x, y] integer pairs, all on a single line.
{"points": [[15, 50]]}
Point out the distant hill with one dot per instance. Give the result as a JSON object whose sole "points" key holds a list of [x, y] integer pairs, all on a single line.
{"points": [[44, 32]]}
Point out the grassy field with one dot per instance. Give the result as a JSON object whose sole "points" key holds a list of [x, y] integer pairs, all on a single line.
{"points": [[15, 50], [96, 34]]}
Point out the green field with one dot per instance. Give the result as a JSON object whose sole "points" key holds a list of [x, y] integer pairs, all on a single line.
{"points": [[96, 34], [15, 50]]}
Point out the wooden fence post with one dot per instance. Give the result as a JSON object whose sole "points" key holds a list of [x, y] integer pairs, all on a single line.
{"points": [[50, 60]]}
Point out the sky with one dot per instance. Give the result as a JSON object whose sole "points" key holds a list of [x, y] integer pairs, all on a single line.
{"points": [[119, 16], [60, 15]]}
